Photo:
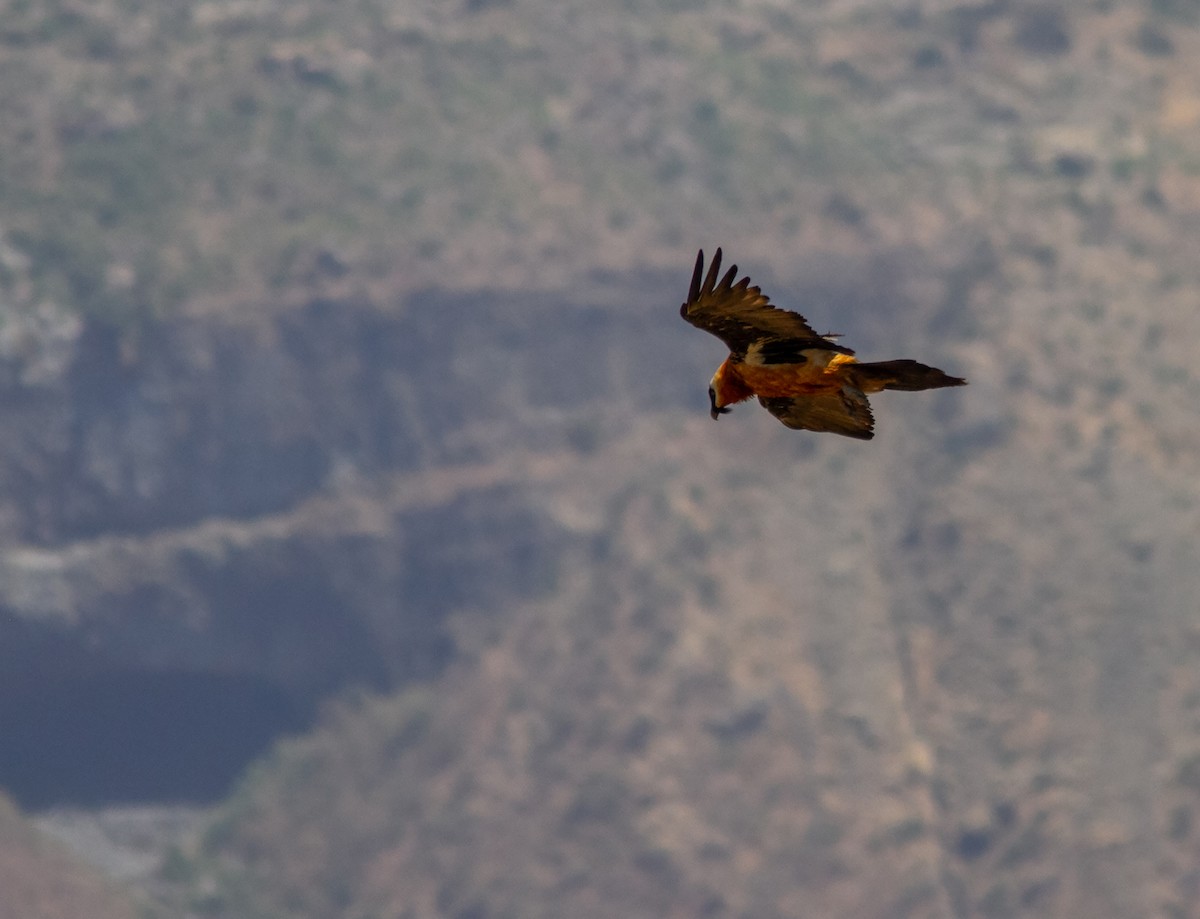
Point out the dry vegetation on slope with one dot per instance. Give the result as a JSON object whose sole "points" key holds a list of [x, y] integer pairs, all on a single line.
{"points": [[41, 880], [805, 690], [160, 153], [669, 730]]}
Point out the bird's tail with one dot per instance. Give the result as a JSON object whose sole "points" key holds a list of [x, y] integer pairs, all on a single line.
{"points": [[902, 374]]}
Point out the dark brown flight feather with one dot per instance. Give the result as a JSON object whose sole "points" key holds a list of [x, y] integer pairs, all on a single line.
{"points": [[740, 314]]}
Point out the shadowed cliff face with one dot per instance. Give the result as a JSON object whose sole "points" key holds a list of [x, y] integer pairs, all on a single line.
{"points": [[155, 667], [193, 419], [223, 523], [124, 736]]}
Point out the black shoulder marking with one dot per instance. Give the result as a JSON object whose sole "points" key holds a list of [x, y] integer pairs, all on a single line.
{"points": [[788, 350], [780, 351]]}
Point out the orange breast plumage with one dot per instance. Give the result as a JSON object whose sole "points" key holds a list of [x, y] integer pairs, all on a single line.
{"points": [[785, 380]]}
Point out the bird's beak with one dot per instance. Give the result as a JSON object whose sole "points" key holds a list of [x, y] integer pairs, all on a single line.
{"points": [[715, 411]]}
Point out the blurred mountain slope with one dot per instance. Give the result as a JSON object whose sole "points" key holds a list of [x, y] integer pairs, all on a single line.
{"points": [[341, 347]]}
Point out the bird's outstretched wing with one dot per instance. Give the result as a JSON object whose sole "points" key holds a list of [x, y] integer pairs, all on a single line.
{"points": [[843, 412], [740, 314]]}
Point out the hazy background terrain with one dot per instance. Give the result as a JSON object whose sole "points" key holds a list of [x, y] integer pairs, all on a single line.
{"points": [[366, 549]]}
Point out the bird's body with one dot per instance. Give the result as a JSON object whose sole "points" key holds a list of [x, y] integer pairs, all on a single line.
{"points": [[818, 372], [807, 381]]}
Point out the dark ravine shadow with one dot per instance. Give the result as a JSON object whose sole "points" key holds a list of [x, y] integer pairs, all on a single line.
{"points": [[121, 737]]}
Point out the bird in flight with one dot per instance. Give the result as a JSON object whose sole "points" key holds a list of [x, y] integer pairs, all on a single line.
{"points": [[807, 381]]}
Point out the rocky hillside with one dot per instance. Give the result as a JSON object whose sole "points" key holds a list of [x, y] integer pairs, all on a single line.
{"points": [[42, 881], [344, 397]]}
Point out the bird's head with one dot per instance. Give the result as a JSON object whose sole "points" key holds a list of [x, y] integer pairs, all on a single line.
{"points": [[717, 409], [723, 391], [726, 388]]}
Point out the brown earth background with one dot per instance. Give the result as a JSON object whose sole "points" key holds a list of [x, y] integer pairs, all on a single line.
{"points": [[366, 550]]}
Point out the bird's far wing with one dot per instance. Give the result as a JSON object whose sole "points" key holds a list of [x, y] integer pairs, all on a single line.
{"points": [[844, 412], [740, 314]]}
